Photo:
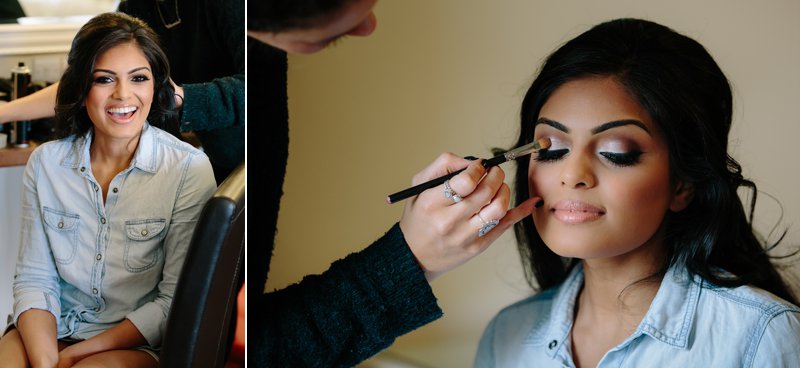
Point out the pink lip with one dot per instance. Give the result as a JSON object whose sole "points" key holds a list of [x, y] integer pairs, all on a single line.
{"points": [[576, 212]]}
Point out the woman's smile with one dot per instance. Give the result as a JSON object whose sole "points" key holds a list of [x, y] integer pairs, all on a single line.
{"points": [[122, 114]]}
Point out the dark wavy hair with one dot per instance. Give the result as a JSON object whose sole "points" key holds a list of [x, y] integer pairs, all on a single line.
{"points": [[101, 33], [684, 91], [281, 15]]}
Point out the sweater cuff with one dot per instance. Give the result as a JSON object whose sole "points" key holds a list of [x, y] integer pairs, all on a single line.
{"points": [[400, 280], [194, 98]]}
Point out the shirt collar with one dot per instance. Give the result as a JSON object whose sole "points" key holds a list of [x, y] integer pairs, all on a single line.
{"points": [[145, 158], [672, 312]]}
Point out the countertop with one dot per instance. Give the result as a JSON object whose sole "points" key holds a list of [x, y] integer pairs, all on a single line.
{"points": [[15, 156]]}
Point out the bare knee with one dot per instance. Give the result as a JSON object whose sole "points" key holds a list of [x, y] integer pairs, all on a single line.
{"points": [[12, 350], [118, 358]]}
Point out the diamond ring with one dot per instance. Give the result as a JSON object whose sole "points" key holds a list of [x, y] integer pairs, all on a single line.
{"points": [[487, 225], [450, 193]]}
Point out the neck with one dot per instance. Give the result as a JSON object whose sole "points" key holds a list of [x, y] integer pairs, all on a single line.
{"points": [[615, 293], [619, 290], [116, 153]]}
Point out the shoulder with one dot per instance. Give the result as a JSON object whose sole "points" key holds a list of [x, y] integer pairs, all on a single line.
{"points": [[53, 153], [769, 325], [162, 152], [529, 316], [766, 324], [172, 145], [749, 300], [541, 301], [61, 146]]}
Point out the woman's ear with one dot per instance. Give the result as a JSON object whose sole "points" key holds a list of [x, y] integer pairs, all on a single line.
{"points": [[684, 192]]}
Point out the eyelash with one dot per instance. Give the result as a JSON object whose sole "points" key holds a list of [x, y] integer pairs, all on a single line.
{"points": [[622, 159], [140, 78], [103, 80], [616, 159], [107, 79]]}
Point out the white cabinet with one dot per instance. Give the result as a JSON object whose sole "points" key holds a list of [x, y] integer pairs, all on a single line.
{"points": [[10, 219]]}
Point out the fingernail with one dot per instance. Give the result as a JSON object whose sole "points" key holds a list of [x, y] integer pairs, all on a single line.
{"points": [[539, 204], [471, 158]]}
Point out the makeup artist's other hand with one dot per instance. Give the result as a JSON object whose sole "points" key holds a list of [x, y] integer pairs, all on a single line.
{"points": [[443, 234]]}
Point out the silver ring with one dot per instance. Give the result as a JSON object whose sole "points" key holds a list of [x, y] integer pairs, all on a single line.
{"points": [[487, 225], [450, 193]]}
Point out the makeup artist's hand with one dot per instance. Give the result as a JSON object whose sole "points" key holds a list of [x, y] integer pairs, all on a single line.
{"points": [[443, 234]]}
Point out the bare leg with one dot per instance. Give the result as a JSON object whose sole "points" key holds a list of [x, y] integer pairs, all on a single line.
{"points": [[118, 359], [12, 350]]}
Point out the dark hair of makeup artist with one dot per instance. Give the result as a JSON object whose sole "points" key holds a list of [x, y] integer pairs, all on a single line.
{"points": [[282, 15], [686, 94], [100, 34]]}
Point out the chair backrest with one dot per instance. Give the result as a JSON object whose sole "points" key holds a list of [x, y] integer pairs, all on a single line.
{"points": [[199, 323]]}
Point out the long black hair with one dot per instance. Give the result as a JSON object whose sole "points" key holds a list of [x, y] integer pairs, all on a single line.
{"points": [[101, 33], [684, 91]]}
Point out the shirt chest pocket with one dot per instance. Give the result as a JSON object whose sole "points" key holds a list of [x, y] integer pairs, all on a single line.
{"points": [[62, 233], [143, 245]]}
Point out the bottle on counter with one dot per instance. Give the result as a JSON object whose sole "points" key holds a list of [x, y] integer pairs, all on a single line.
{"points": [[20, 84]]}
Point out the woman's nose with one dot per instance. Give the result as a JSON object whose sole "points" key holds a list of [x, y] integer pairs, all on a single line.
{"points": [[577, 172], [122, 90]]}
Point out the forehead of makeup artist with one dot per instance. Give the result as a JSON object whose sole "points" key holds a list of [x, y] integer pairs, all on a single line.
{"points": [[606, 178], [354, 18]]}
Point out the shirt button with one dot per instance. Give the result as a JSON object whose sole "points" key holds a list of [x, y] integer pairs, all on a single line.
{"points": [[102, 220], [83, 168], [552, 344], [61, 224], [94, 290], [96, 188], [144, 232], [99, 257], [115, 190]]}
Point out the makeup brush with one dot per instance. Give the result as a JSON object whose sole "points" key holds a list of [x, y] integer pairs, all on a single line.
{"points": [[510, 155]]}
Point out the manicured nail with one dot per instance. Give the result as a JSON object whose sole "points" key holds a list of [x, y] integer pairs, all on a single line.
{"points": [[539, 204], [471, 158]]}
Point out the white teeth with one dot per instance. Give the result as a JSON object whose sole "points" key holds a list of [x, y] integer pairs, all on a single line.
{"points": [[122, 110]]}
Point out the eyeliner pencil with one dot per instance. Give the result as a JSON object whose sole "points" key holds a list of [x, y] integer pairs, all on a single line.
{"points": [[513, 154]]}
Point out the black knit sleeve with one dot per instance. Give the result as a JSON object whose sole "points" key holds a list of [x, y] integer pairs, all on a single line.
{"points": [[220, 102], [347, 314]]}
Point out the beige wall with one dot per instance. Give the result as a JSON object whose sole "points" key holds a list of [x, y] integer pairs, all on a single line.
{"points": [[448, 75]]}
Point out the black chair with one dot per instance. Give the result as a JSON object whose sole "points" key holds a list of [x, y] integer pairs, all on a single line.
{"points": [[199, 324]]}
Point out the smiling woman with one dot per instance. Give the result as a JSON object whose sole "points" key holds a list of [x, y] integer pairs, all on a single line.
{"points": [[108, 209], [119, 100]]}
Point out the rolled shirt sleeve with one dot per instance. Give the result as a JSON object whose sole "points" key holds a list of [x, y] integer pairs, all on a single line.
{"points": [[36, 281]]}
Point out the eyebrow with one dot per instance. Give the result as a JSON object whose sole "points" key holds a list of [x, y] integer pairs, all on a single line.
{"points": [[134, 70], [598, 129]]}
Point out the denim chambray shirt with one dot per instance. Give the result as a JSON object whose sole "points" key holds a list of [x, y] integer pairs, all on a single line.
{"points": [[93, 264], [689, 324]]}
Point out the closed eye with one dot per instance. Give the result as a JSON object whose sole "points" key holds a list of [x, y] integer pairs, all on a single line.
{"points": [[546, 155], [622, 159]]}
